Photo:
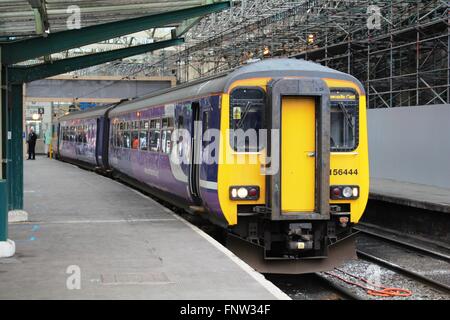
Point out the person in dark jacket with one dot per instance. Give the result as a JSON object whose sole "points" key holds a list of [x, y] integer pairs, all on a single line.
{"points": [[32, 137]]}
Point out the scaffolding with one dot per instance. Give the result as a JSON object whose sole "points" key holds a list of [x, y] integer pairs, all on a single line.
{"points": [[398, 49]]}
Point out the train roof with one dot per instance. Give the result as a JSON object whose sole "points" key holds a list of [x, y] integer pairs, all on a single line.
{"points": [[89, 113], [221, 83]]}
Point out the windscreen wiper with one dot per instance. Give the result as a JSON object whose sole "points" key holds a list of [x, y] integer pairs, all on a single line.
{"points": [[347, 115], [244, 114]]}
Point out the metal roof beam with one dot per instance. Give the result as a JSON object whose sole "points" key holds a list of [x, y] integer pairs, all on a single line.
{"points": [[21, 74], [22, 50], [188, 24]]}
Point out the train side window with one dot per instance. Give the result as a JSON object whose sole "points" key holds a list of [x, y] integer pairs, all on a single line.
{"points": [[84, 134], [155, 124], [166, 134], [116, 134], [247, 107], [167, 122], [73, 133], [112, 135], [143, 135], [166, 143], [135, 139], [126, 139], [143, 140], [79, 137], [180, 122], [119, 138], [92, 133], [154, 140]]}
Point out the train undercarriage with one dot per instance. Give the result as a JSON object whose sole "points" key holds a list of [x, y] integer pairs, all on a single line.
{"points": [[292, 247]]}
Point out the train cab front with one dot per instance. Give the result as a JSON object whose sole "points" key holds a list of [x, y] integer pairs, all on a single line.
{"points": [[308, 181]]}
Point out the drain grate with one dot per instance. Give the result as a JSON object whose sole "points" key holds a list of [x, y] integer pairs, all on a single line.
{"points": [[134, 279]]}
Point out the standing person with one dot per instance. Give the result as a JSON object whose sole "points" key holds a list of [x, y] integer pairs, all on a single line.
{"points": [[48, 141], [32, 137]]}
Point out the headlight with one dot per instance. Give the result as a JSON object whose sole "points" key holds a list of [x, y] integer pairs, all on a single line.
{"points": [[244, 193], [344, 192], [347, 192]]}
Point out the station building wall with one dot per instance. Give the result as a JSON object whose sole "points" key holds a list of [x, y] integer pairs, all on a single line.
{"points": [[410, 144]]}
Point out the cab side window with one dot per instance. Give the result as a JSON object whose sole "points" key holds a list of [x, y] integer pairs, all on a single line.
{"points": [[247, 107]]}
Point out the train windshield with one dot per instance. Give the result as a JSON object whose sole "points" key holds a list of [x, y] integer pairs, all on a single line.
{"points": [[246, 118], [344, 124]]}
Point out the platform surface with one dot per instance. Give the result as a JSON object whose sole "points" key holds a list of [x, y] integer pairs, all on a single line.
{"points": [[410, 194], [124, 245]]}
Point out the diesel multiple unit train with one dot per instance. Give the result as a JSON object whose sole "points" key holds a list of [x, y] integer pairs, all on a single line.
{"points": [[275, 152]]}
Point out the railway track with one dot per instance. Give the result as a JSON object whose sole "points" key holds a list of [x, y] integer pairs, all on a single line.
{"points": [[313, 286], [430, 248], [422, 264], [343, 292]]}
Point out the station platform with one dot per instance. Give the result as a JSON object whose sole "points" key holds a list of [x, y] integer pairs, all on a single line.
{"points": [[118, 242], [410, 194]]}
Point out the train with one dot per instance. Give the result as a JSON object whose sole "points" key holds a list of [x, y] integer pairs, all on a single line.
{"points": [[274, 152]]}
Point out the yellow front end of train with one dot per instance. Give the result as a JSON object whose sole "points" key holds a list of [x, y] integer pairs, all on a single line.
{"points": [[307, 199]]}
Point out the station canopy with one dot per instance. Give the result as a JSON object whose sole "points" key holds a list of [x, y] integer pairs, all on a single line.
{"points": [[22, 18]]}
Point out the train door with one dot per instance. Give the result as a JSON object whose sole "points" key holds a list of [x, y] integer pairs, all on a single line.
{"points": [[98, 143], [58, 139], [299, 187], [298, 149], [196, 140]]}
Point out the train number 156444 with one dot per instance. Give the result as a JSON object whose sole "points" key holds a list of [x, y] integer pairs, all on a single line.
{"points": [[343, 172]]}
